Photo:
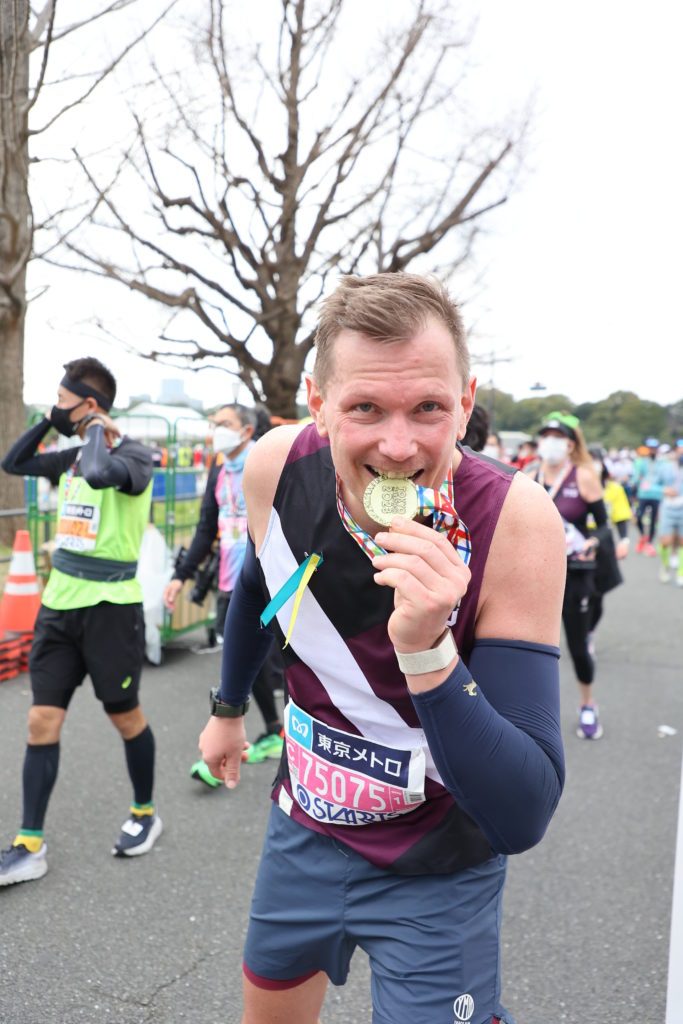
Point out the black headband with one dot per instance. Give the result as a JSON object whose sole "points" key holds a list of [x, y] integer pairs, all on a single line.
{"points": [[79, 387]]}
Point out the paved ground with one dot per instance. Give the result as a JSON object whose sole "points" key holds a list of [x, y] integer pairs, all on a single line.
{"points": [[158, 940]]}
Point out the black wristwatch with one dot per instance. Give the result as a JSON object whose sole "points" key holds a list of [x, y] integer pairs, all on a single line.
{"points": [[222, 710]]}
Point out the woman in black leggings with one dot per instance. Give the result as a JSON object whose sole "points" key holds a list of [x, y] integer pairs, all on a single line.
{"points": [[566, 471]]}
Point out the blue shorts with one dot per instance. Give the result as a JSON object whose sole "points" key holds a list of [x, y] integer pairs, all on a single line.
{"points": [[433, 940], [670, 520]]}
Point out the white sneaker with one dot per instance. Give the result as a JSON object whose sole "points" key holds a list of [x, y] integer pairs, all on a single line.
{"points": [[679, 581], [664, 575], [17, 864]]}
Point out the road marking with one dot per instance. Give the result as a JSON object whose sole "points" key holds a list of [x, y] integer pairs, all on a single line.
{"points": [[674, 996]]}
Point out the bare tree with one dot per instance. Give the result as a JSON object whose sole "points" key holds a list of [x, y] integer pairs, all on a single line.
{"points": [[28, 35], [273, 170]]}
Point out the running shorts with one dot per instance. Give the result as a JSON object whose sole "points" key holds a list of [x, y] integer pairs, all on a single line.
{"points": [[433, 940], [670, 520], [105, 641]]}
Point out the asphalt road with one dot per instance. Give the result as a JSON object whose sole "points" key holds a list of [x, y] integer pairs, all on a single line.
{"points": [[158, 940]]}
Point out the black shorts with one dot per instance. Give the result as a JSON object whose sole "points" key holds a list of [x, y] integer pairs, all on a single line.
{"points": [[106, 642]]}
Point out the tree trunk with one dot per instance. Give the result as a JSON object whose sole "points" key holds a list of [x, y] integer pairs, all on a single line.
{"points": [[15, 240]]}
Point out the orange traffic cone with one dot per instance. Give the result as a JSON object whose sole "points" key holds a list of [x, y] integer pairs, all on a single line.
{"points": [[21, 599]]}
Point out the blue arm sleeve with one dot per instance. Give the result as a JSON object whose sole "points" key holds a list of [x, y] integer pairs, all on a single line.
{"points": [[499, 752], [246, 643]]}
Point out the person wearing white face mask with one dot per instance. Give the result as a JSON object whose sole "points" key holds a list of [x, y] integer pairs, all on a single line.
{"points": [[566, 471], [494, 448], [223, 514]]}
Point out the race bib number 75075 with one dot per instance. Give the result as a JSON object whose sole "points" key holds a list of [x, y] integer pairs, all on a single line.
{"points": [[349, 780]]}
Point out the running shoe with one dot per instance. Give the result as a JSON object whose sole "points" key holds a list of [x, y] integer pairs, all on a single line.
{"points": [[679, 581], [673, 562], [138, 835], [589, 727], [17, 864], [640, 545], [200, 772], [664, 575], [650, 550], [266, 747], [207, 649]]}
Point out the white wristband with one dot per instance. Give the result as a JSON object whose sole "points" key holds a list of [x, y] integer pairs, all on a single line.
{"points": [[433, 660]]}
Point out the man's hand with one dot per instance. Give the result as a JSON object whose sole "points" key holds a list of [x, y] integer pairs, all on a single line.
{"points": [[111, 431], [429, 579], [622, 548], [171, 591], [221, 745]]}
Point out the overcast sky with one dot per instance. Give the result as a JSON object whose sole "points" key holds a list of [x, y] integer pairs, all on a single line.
{"points": [[581, 267]]}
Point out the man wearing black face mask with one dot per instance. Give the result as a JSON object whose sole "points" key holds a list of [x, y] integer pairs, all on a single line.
{"points": [[91, 620]]}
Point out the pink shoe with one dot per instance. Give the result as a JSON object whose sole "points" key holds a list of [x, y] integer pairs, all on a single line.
{"points": [[650, 550], [640, 545]]}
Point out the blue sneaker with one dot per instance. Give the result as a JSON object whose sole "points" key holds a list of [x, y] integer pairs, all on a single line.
{"points": [[589, 727], [138, 835], [17, 864]]}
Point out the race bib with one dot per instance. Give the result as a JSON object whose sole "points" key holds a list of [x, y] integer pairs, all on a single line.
{"points": [[344, 779], [79, 517]]}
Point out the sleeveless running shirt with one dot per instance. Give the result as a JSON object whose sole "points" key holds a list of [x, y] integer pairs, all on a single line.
{"points": [[356, 751], [97, 523]]}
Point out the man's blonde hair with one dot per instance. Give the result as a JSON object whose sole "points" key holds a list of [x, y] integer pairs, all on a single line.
{"points": [[386, 307]]}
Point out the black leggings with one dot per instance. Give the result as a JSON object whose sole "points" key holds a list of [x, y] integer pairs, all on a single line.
{"points": [[576, 616], [643, 505], [596, 611]]}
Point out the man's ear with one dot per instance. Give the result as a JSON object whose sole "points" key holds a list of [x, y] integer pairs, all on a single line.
{"points": [[316, 405], [466, 406]]}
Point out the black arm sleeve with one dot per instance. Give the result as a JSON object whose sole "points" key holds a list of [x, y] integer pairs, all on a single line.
{"points": [[206, 531], [498, 746], [100, 467], [599, 512], [246, 643], [128, 467], [22, 460]]}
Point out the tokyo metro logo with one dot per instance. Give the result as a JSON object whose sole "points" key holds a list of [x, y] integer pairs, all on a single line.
{"points": [[463, 1007]]}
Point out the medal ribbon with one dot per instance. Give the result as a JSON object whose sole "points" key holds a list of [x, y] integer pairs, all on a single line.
{"points": [[439, 504]]}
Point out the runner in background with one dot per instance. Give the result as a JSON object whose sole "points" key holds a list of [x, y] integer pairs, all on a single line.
{"points": [[648, 482], [566, 472], [619, 515], [91, 620], [223, 515], [670, 529]]}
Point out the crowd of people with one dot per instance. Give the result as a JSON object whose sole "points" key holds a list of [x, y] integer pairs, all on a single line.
{"points": [[403, 579]]}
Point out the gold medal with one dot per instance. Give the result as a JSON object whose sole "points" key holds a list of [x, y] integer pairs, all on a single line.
{"points": [[386, 497]]}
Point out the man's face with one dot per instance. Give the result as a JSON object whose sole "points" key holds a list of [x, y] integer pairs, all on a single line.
{"points": [[68, 400], [226, 417], [391, 408]]}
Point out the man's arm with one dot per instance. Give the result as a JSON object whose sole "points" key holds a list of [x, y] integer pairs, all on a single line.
{"points": [[493, 727], [204, 536], [22, 458], [206, 531], [128, 468]]}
